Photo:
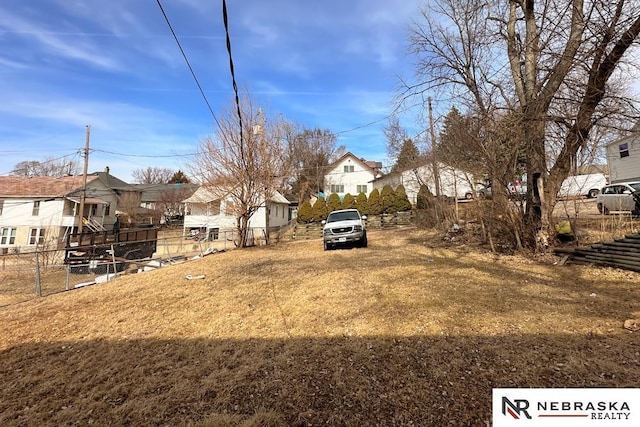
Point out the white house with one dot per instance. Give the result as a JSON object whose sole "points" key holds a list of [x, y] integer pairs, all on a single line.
{"points": [[623, 157], [43, 210], [352, 175], [454, 183], [210, 212]]}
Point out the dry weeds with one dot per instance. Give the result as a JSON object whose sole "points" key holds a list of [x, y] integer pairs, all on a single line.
{"points": [[410, 331]]}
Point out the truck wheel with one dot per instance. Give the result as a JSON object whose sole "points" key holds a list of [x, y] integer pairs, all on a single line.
{"points": [[593, 193], [327, 246], [364, 242]]}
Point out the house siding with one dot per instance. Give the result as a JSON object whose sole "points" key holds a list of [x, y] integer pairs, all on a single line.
{"points": [[357, 175], [200, 216], [453, 182], [624, 168], [54, 214]]}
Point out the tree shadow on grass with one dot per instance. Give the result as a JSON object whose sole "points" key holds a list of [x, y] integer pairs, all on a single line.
{"points": [[362, 381]]}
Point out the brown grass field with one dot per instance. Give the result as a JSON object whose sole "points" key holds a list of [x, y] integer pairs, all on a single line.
{"points": [[409, 331]]}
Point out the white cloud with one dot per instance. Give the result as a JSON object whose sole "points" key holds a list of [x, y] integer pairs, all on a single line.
{"points": [[51, 44]]}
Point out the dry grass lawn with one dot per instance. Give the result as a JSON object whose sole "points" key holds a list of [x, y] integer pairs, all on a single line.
{"points": [[409, 331]]}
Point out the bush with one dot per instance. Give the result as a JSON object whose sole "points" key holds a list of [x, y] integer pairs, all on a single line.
{"points": [[424, 199], [374, 204], [319, 210], [305, 213], [349, 202], [361, 204], [402, 200], [388, 198], [334, 203]]}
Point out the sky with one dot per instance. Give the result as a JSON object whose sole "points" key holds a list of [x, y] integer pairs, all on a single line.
{"points": [[115, 66]]}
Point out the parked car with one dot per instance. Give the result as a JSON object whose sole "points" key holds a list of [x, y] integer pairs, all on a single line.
{"points": [[588, 185], [515, 190], [343, 227], [618, 197]]}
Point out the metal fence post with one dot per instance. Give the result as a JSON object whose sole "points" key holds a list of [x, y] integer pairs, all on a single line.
{"points": [[166, 248], [115, 270], [66, 285], [38, 287]]}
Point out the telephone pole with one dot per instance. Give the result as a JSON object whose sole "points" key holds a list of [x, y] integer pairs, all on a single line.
{"points": [[83, 194]]}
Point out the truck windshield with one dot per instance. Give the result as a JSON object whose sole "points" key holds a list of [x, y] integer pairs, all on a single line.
{"points": [[343, 216]]}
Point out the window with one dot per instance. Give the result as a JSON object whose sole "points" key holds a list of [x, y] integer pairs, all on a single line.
{"points": [[36, 236], [213, 208], [348, 168], [337, 188], [229, 209], [361, 189], [624, 150], [1, 206], [7, 236], [94, 210], [214, 234], [36, 208], [107, 209]]}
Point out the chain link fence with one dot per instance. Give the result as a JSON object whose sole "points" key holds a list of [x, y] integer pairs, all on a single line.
{"points": [[36, 272]]}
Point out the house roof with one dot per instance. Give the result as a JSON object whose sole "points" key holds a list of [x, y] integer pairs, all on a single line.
{"points": [[632, 134], [374, 167], [111, 181], [206, 195], [279, 198], [156, 192], [41, 186]]}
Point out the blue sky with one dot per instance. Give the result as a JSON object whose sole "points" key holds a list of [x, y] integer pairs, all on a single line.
{"points": [[114, 65]]}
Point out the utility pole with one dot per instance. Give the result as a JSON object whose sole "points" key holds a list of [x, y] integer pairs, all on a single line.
{"points": [[436, 173], [83, 195]]}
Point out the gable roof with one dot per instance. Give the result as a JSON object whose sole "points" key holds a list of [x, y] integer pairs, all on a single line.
{"points": [[205, 195], [373, 167], [156, 192], [41, 186], [111, 181]]}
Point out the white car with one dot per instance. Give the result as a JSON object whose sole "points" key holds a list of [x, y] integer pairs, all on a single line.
{"points": [[618, 197], [344, 227]]}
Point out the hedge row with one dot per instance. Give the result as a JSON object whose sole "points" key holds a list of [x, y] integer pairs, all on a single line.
{"points": [[388, 201]]}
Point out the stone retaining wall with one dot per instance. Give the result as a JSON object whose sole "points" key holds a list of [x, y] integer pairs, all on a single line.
{"points": [[314, 230]]}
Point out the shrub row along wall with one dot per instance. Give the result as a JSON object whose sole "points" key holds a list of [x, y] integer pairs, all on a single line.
{"points": [[314, 230]]}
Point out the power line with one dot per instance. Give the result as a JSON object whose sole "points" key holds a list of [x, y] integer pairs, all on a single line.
{"points": [[184, 55], [233, 74], [145, 155]]}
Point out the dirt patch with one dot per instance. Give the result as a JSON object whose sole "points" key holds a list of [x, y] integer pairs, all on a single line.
{"points": [[405, 332]]}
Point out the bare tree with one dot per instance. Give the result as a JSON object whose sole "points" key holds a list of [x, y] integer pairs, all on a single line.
{"points": [[395, 135], [309, 152], [245, 161], [129, 206], [50, 166], [171, 203], [153, 175], [555, 71]]}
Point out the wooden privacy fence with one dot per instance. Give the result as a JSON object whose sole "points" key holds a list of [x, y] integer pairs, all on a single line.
{"points": [[621, 253]]}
